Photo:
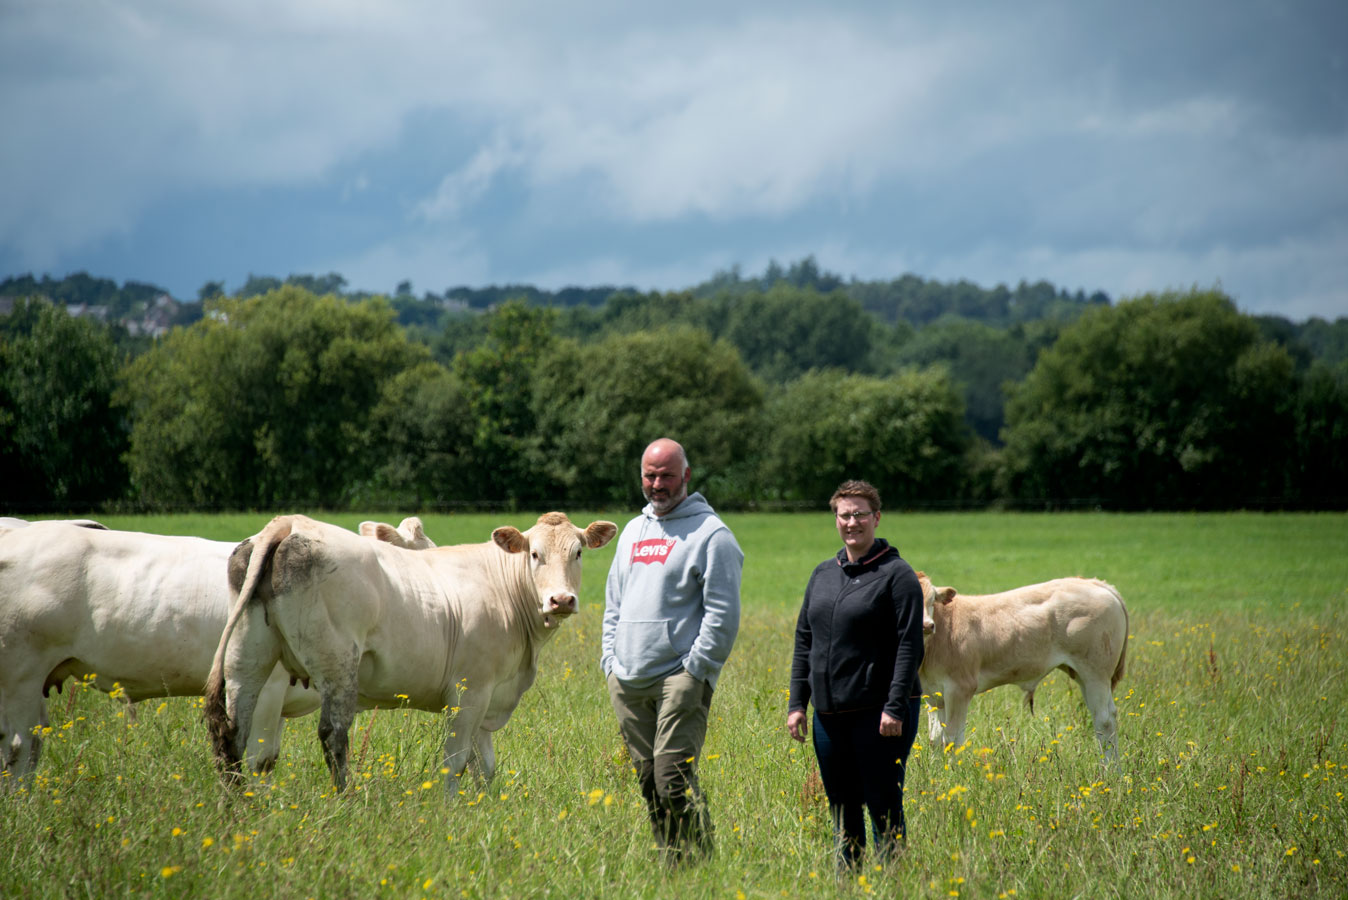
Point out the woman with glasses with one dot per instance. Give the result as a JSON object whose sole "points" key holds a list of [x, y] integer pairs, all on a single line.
{"points": [[858, 649]]}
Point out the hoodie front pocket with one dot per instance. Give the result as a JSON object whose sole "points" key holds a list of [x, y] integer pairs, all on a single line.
{"points": [[640, 644]]}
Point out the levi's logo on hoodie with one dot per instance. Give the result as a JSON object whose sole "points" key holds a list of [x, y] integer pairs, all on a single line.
{"points": [[654, 550]]}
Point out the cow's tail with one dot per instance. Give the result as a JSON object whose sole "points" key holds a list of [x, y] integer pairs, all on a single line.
{"points": [[1123, 651], [258, 551]]}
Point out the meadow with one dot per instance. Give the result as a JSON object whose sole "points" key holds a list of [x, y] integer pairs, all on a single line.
{"points": [[1231, 778]]}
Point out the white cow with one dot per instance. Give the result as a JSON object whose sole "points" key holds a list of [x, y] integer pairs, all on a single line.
{"points": [[140, 611], [455, 628], [8, 523], [975, 643]]}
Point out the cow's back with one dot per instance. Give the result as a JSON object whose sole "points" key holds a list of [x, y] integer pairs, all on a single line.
{"points": [[90, 601], [413, 613]]}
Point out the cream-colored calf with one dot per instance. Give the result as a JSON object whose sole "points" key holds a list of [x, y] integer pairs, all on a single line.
{"points": [[978, 642]]}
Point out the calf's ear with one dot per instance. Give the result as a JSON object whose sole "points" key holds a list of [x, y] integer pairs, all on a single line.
{"points": [[599, 533], [509, 539], [945, 594]]}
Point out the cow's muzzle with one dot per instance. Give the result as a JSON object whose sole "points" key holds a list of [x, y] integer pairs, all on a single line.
{"points": [[558, 607]]}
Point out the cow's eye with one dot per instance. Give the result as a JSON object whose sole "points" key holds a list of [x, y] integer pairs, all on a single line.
{"points": [[578, 554], [534, 554]]}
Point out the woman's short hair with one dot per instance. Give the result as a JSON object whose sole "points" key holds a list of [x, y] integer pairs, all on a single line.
{"points": [[863, 489]]}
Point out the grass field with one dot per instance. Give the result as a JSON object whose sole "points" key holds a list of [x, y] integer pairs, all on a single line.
{"points": [[1231, 780]]}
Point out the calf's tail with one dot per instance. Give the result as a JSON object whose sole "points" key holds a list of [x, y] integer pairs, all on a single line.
{"points": [[257, 551]]}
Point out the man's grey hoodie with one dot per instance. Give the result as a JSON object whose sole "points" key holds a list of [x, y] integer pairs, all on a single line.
{"points": [[673, 596]]}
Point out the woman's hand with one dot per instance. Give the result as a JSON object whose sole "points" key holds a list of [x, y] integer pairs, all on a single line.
{"points": [[889, 726], [797, 725]]}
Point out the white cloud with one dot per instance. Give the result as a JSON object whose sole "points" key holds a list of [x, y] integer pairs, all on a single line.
{"points": [[464, 187], [1050, 135], [756, 120]]}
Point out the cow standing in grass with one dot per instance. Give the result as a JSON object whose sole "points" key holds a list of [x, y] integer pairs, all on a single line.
{"points": [[369, 624], [975, 643], [137, 613]]}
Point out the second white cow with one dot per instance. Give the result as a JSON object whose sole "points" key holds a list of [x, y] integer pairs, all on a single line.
{"points": [[456, 628], [978, 642]]}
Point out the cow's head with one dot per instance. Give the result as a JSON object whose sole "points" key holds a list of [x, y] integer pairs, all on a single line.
{"points": [[409, 534], [555, 546], [930, 597]]}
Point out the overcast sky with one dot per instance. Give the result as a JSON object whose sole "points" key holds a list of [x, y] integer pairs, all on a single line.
{"points": [[1122, 147]]}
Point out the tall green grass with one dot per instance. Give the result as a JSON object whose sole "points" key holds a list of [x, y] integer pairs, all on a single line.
{"points": [[1231, 779]]}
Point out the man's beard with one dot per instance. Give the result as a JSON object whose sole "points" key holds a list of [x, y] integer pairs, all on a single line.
{"points": [[668, 502]]}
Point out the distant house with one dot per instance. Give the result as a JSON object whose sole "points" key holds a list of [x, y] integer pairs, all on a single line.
{"points": [[84, 309], [157, 318]]}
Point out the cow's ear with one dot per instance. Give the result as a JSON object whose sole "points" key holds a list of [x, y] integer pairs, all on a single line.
{"points": [[599, 533], [945, 594], [383, 532], [510, 539]]}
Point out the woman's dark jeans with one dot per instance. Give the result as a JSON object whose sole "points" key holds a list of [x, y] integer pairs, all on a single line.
{"points": [[860, 767]]}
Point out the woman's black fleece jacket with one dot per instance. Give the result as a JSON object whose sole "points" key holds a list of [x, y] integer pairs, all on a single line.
{"points": [[859, 635]]}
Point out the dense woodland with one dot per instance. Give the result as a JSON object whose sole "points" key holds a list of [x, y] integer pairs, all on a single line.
{"points": [[300, 394]]}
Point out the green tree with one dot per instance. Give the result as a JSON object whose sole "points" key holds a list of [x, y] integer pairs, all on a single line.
{"points": [[60, 440], [788, 330], [597, 406], [628, 312], [331, 283], [266, 402], [423, 428], [498, 375], [982, 361], [257, 285], [1161, 402], [1327, 341], [905, 434], [1321, 474]]}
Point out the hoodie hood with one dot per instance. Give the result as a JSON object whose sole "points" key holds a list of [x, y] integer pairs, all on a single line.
{"points": [[879, 549], [693, 505]]}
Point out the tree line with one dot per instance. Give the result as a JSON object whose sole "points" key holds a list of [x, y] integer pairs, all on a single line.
{"points": [[299, 398]]}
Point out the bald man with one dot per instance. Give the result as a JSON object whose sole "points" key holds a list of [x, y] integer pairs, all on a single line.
{"points": [[672, 609]]}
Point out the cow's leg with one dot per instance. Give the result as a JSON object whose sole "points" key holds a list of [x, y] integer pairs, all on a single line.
{"points": [[249, 661], [334, 671], [956, 711], [935, 709], [334, 722], [462, 738], [23, 717], [264, 738], [1100, 700], [484, 755]]}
